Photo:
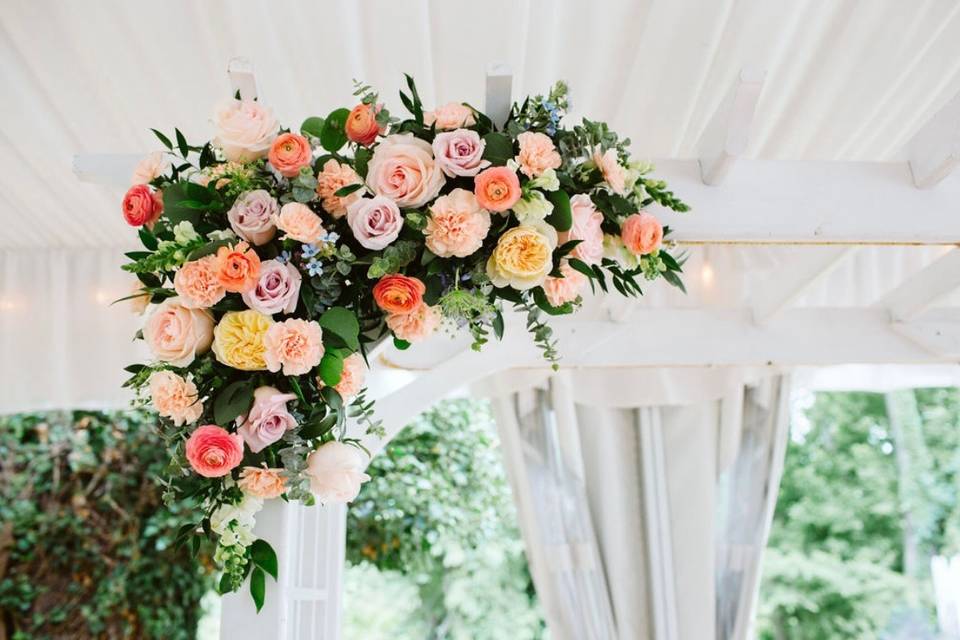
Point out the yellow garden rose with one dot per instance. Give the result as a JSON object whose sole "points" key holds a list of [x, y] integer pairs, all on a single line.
{"points": [[238, 340], [523, 257]]}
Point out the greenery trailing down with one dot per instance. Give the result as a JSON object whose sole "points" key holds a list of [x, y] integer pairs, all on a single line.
{"points": [[86, 545], [858, 498], [438, 537]]}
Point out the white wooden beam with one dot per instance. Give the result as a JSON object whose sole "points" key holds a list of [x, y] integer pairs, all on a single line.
{"points": [[499, 92], [808, 267], [935, 149], [919, 291], [111, 169], [728, 132], [937, 331], [242, 79]]}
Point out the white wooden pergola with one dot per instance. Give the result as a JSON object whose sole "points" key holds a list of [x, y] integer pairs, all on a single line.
{"points": [[826, 211]]}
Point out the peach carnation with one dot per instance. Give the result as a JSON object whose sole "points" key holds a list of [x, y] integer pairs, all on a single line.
{"points": [[151, 167], [333, 177], [175, 398], [213, 451], [613, 174], [417, 325], [352, 378], [295, 345], [564, 289], [262, 483], [457, 225], [452, 115], [537, 154], [299, 223], [198, 285], [497, 188]]}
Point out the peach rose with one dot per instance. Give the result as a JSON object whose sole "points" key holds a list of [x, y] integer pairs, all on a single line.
{"points": [[336, 472], [177, 334], [398, 293], [497, 188], [586, 228], [197, 284], [213, 451], [537, 154], [613, 174], [262, 483], [460, 153], [333, 177], [245, 130], [267, 420], [403, 169], [375, 222], [457, 225], [361, 126], [294, 344], [565, 289], [299, 223], [452, 115], [142, 206], [523, 257], [175, 398], [251, 216], [641, 234], [141, 300], [417, 325], [151, 167], [288, 153], [238, 267], [353, 377]]}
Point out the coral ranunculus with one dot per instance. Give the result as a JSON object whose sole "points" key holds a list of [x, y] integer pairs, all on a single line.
{"points": [[238, 267], [289, 152], [497, 188], [361, 126], [142, 206], [642, 233], [238, 340], [213, 451], [523, 257], [398, 293]]}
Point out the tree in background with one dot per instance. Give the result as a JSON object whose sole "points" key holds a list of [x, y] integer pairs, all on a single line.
{"points": [[869, 494], [438, 514], [85, 541]]}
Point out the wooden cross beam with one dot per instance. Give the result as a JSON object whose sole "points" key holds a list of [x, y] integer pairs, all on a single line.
{"points": [[728, 132], [934, 151]]}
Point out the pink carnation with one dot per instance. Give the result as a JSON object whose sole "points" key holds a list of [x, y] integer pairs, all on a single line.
{"points": [[295, 345], [565, 289], [537, 154], [213, 451], [415, 326], [613, 174], [457, 225]]}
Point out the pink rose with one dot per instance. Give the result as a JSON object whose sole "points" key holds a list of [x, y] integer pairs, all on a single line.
{"points": [[176, 334], [142, 206], [565, 289], [175, 398], [198, 285], [288, 153], [299, 223], [213, 451], [457, 225], [613, 174], [641, 234], [417, 325], [403, 169], [353, 376], [262, 483], [537, 154], [150, 168], [452, 115], [251, 216], [460, 153], [294, 344], [267, 420], [497, 188], [375, 222], [245, 130], [586, 228], [336, 472], [333, 177], [277, 289]]}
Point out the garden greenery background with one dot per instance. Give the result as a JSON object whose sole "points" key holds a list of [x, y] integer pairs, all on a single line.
{"points": [[871, 490]]}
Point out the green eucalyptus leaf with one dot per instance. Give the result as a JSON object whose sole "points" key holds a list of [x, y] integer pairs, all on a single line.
{"points": [[333, 135], [331, 367], [312, 126]]}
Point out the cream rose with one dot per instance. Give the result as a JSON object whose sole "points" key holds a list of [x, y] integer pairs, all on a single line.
{"points": [[523, 257], [176, 334], [245, 130], [336, 472], [403, 169]]}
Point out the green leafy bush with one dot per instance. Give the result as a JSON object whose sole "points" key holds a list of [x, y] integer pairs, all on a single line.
{"points": [[85, 540]]}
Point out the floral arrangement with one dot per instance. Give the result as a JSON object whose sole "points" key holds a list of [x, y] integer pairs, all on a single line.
{"points": [[274, 259]]}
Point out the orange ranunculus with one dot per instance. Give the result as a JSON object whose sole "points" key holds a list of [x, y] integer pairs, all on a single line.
{"points": [[641, 233], [288, 153], [238, 267], [497, 188], [361, 126], [398, 293]]}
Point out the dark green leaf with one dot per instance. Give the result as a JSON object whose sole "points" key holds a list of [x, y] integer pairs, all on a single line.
{"points": [[675, 280], [402, 345], [234, 400], [258, 587], [541, 299], [182, 143], [206, 156], [498, 149], [342, 323], [264, 556], [318, 427], [176, 195], [207, 249], [312, 126], [347, 190], [561, 218], [360, 160], [331, 367], [332, 397], [148, 239], [163, 139], [135, 369], [225, 585], [498, 325], [582, 267], [333, 136]]}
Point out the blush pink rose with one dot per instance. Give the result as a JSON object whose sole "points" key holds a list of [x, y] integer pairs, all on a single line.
{"points": [[213, 451], [497, 188], [336, 472], [175, 397], [375, 222], [565, 289], [267, 420], [151, 167], [251, 216], [417, 325], [177, 334], [457, 225], [452, 115], [299, 223], [333, 177], [613, 174], [537, 154], [403, 169], [295, 345], [262, 483], [245, 129], [353, 377], [460, 153], [586, 228], [288, 153], [198, 285], [641, 233], [142, 206], [277, 290]]}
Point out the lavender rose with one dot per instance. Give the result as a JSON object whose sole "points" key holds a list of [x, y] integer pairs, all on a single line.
{"points": [[251, 216], [268, 419], [375, 222], [277, 289], [460, 153]]}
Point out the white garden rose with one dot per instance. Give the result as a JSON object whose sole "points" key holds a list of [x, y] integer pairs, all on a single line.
{"points": [[336, 472], [245, 130]]}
